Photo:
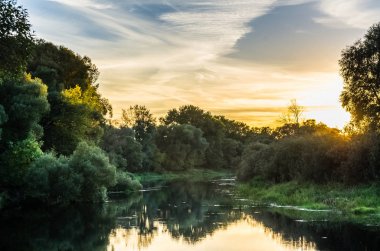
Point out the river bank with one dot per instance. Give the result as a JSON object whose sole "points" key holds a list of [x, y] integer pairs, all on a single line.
{"points": [[193, 175], [360, 201]]}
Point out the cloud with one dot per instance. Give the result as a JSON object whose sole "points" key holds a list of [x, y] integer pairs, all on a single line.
{"points": [[288, 36], [163, 53], [354, 13]]}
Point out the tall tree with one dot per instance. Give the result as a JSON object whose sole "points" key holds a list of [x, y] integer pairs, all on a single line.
{"points": [[15, 37], [212, 130], [77, 109], [360, 69], [141, 120]]}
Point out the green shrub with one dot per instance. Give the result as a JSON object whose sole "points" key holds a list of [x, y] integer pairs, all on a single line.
{"points": [[95, 170]]}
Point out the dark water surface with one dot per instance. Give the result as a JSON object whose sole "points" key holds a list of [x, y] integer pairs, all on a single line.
{"points": [[180, 216]]}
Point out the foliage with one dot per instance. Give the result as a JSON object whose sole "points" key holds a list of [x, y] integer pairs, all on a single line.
{"points": [[84, 176], [61, 68], [75, 116], [313, 152], [360, 69], [125, 182], [212, 131], [24, 102], [15, 161], [77, 109], [362, 164], [94, 168], [123, 149], [140, 119], [255, 160], [15, 37], [51, 180], [348, 199], [183, 145]]}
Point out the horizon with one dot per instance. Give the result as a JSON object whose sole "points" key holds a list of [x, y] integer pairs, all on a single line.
{"points": [[245, 60]]}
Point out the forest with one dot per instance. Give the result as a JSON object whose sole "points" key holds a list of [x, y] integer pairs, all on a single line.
{"points": [[60, 145]]}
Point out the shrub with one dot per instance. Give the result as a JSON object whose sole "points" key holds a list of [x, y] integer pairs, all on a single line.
{"points": [[93, 165]]}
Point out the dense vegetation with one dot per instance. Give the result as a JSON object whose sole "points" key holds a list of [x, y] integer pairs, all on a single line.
{"points": [[57, 145]]}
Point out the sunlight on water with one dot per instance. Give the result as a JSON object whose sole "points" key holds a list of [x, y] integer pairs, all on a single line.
{"points": [[245, 234]]}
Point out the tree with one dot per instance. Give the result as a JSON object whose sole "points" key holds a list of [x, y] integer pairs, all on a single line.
{"points": [[95, 170], [123, 149], [61, 68], [294, 112], [15, 37], [141, 120], [75, 116], [24, 103], [183, 145], [212, 128], [77, 109], [360, 69]]}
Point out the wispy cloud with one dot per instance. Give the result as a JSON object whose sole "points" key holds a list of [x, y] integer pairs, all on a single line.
{"points": [[354, 13], [166, 53]]}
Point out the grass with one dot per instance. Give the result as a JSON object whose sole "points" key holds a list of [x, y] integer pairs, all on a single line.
{"points": [[356, 200], [190, 175]]}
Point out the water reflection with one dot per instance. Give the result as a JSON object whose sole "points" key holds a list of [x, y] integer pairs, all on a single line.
{"points": [[179, 216]]}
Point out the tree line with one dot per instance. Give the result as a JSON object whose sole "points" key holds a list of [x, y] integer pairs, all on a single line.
{"points": [[57, 145]]}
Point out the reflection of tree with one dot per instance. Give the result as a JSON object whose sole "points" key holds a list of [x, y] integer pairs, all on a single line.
{"points": [[85, 228], [325, 235], [189, 212]]}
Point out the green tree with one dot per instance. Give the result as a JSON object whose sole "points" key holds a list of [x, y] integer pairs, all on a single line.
{"points": [[124, 150], [95, 170], [77, 109], [15, 37], [24, 101], [75, 116], [212, 130], [141, 120], [183, 145], [61, 68], [50, 179], [16, 160], [360, 69]]}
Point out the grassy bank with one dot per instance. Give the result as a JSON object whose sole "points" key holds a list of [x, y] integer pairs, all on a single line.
{"points": [[356, 200], [190, 175]]}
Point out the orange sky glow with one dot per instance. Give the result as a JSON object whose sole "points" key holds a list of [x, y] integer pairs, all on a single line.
{"points": [[243, 59]]}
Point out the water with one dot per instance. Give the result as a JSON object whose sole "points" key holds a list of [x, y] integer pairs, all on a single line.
{"points": [[181, 216]]}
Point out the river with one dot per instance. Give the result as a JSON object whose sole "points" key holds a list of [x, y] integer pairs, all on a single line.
{"points": [[181, 216]]}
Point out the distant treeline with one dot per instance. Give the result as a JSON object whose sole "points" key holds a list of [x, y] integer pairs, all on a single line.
{"points": [[57, 145]]}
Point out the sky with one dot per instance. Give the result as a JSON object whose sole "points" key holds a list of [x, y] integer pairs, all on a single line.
{"points": [[245, 59]]}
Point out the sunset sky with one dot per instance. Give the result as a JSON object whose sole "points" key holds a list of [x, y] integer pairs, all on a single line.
{"points": [[241, 58]]}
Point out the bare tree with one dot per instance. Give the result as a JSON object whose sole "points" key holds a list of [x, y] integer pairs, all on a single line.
{"points": [[293, 115]]}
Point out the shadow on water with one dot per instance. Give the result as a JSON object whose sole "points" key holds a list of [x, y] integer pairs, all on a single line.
{"points": [[184, 215]]}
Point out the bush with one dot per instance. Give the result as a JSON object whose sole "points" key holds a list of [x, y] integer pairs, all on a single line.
{"points": [[363, 161], [51, 180], [312, 157], [255, 160], [125, 182], [15, 161], [95, 170]]}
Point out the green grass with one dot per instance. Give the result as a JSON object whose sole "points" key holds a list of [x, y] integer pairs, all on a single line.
{"points": [[190, 175], [356, 200]]}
